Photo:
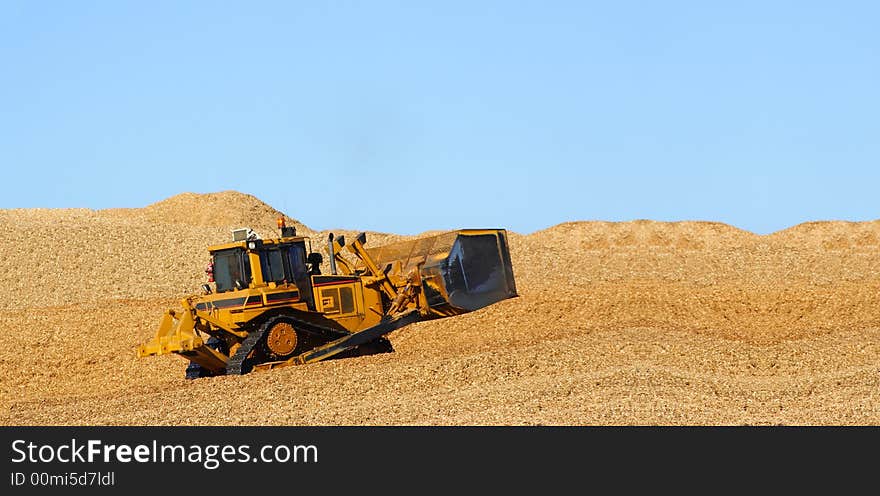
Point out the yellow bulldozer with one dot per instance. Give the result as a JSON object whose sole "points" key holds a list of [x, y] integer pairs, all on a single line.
{"points": [[271, 306]]}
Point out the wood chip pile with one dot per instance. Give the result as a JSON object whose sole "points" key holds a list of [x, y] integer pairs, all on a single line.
{"points": [[616, 323]]}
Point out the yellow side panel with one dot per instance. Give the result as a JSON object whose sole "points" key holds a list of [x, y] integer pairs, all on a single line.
{"points": [[339, 300]]}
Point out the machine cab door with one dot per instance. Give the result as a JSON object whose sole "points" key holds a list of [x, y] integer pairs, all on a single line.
{"points": [[296, 257], [287, 264]]}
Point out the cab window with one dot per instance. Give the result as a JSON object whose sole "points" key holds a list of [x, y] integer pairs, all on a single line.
{"points": [[272, 264], [296, 258], [230, 266], [285, 264]]}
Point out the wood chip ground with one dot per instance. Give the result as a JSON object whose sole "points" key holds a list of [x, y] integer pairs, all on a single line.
{"points": [[616, 323]]}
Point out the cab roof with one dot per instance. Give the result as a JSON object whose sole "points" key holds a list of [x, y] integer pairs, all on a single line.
{"points": [[260, 242]]}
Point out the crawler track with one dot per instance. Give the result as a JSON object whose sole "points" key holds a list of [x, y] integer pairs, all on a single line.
{"points": [[240, 364]]}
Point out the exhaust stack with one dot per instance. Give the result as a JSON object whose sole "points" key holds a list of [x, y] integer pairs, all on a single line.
{"points": [[332, 253]]}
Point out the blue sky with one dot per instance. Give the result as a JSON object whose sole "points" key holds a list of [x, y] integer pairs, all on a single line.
{"points": [[409, 116]]}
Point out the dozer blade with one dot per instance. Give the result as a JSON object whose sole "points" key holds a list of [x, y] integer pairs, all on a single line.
{"points": [[179, 336], [461, 271]]}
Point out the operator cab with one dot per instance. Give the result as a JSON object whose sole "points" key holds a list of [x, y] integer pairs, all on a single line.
{"points": [[282, 261]]}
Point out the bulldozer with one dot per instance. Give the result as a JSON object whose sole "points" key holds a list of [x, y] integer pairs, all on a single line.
{"points": [[268, 304]]}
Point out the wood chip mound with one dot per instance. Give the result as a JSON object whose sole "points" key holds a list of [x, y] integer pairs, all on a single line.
{"points": [[616, 323]]}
